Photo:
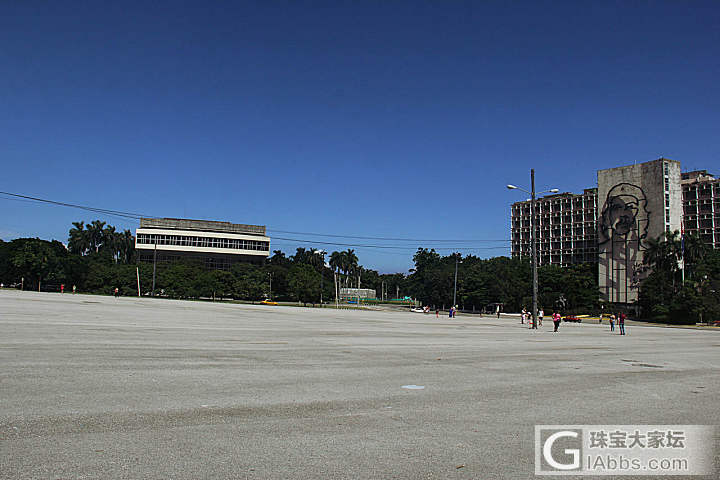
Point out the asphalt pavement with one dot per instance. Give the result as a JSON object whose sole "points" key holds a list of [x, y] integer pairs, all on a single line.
{"points": [[97, 387]]}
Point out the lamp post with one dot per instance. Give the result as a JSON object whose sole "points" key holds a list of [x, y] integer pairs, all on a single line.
{"points": [[457, 260], [533, 238]]}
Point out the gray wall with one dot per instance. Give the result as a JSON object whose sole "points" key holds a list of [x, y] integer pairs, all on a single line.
{"points": [[632, 206]]}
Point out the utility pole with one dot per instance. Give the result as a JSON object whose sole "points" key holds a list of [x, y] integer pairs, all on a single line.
{"points": [[154, 266], [270, 293], [533, 240], [455, 287]]}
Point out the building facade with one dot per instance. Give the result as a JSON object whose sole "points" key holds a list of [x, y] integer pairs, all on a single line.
{"points": [[216, 245], [610, 224], [566, 228], [701, 206], [637, 203], [350, 293]]}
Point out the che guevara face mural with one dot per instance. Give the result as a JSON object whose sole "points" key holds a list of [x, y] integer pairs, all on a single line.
{"points": [[624, 216]]}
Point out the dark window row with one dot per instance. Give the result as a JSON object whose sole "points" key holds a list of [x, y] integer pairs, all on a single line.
{"points": [[210, 242]]}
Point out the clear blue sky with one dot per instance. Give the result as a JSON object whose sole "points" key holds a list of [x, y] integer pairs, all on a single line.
{"points": [[385, 119]]}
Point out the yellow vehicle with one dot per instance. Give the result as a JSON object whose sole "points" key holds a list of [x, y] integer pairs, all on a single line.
{"points": [[268, 302]]}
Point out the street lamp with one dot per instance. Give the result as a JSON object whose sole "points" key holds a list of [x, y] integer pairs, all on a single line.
{"points": [[533, 237], [457, 260]]}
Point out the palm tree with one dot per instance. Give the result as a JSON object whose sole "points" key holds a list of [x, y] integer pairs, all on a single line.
{"points": [[350, 262], [695, 249], [335, 261], [95, 234], [125, 246], [663, 253], [78, 242], [110, 242]]}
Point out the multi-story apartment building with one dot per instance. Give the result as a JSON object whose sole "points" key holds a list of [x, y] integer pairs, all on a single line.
{"points": [[566, 228], [701, 206]]}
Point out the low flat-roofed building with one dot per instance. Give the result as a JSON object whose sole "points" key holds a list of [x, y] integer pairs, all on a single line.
{"points": [[215, 244], [350, 293]]}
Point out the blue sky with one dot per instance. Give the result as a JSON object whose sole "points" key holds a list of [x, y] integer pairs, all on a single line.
{"points": [[376, 119]]}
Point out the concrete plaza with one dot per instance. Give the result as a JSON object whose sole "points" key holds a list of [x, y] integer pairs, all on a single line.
{"points": [[97, 387]]}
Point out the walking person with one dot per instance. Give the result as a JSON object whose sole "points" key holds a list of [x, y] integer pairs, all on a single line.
{"points": [[612, 322], [556, 320], [117, 292], [497, 310], [523, 314], [540, 315], [621, 322], [437, 313]]}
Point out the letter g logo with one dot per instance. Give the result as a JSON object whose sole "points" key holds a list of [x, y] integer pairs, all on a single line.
{"points": [[547, 451]]}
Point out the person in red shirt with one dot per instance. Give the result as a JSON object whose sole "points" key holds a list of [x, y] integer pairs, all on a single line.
{"points": [[621, 322], [556, 320]]}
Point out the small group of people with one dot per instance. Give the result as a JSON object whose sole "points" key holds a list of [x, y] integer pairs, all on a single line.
{"points": [[452, 311], [620, 322], [557, 319], [527, 316]]}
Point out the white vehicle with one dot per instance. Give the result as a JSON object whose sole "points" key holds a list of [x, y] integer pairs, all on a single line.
{"points": [[420, 309]]}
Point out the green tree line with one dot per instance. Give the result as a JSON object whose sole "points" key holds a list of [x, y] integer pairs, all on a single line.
{"points": [[98, 259]]}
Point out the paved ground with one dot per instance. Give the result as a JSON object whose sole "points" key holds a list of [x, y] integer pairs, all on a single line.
{"points": [[94, 387]]}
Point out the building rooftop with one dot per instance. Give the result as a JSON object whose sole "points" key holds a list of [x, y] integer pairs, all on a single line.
{"points": [[201, 225], [697, 176]]}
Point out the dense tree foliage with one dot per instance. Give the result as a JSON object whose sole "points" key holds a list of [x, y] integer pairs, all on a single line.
{"points": [[99, 259], [665, 296], [97, 237], [482, 283]]}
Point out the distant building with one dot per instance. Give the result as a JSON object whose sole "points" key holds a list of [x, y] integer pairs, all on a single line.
{"points": [[567, 230], [216, 245], [611, 224], [350, 293], [639, 202], [701, 206]]}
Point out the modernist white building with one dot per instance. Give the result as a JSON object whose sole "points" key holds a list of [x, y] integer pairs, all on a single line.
{"points": [[215, 244]]}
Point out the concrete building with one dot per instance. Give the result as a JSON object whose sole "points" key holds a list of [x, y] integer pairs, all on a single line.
{"points": [[638, 202], [610, 224], [351, 293], [566, 228], [701, 206], [216, 244]]}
